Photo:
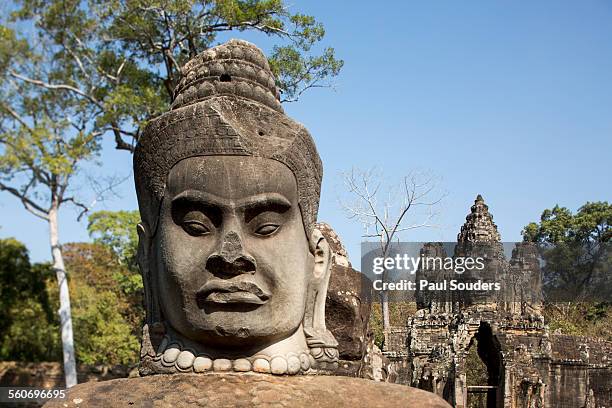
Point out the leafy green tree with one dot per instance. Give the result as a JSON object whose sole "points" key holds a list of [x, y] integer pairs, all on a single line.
{"points": [[592, 223], [107, 317], [45, 137], [117, 231], [122, 58], [29, 331], [576, 248], [577, 268]]}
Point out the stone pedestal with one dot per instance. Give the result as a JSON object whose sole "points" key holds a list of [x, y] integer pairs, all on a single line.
{"points": [[246, 390]]}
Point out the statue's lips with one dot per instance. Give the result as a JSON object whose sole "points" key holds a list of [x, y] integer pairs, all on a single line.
{"points": [[224, 292]]}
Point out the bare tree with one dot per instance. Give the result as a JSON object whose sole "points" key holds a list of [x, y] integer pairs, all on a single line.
{"points": [[387, 212]]}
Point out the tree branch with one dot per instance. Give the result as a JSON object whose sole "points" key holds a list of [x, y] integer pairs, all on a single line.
{"points": [[63, 87], [29, 205]]}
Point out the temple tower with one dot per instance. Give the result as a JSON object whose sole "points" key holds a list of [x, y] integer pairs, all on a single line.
{"points": [[479, 225]]}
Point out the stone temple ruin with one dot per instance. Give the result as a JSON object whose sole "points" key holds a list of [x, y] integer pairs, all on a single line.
{"points": [[526, 364]]}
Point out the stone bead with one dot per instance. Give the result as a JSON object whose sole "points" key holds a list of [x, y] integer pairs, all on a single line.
{"points": [[258, 59], [185, 360], [179, 100], [202, 92], [313, 362], [217, 69], [304, 362], [190, 93], [201, 364], [248, 54], [316, 351], [261, 365], [262, 77], [225, 87], [278, 366], [233, 69], [249, 72], [273, 102], [208, 55], [171, 354], [271, 83], [224, 53], [248, 91], [237, 53], [242, 365], [242, 88], [222, 364], [293, 365], [208, 88], [259, 94]]}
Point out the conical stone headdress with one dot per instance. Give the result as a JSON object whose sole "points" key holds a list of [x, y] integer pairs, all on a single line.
{"points": [[226, 103]]}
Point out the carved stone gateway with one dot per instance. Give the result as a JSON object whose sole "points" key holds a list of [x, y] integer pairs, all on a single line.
{"points": [[235, 271], [524, 364]]}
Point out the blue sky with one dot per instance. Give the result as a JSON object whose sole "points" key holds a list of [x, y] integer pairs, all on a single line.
{"points": [[512, 100]]}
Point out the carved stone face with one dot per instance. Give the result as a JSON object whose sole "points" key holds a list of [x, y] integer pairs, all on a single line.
{"points": [[233, 260]]}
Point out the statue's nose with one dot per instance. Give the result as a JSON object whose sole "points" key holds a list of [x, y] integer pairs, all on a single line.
{"points": [[231, 260]]}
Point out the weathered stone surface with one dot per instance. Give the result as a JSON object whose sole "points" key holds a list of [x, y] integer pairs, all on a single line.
{"points": [[346, 312], [51, 375], [246, 390]]}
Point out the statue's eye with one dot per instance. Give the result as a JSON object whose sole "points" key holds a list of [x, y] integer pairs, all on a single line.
{"points": [[195, 227], [267, 229], [195, 223]]}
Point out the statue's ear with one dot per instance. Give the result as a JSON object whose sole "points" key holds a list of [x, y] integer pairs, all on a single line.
{"points": [[143, 256], [323, 346], [322, 256], [144, 248], [153, 330], [314, 317]]}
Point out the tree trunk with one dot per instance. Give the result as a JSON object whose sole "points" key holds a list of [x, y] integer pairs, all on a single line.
{"points": [[384, 300], [64, 310]]}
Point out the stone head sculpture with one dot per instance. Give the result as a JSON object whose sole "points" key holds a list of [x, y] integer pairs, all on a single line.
{"points": [[228, 186]]}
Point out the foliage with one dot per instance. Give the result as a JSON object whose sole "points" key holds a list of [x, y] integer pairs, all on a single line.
{"points": [[576, 251], [107, 317], [45, 137], [475, 374], [398, 313], [592, 223], [122, 58], [43, 142], [580, 319], [33, 335], [29, 330], [117, 231], [103, 334], [376, 325]]}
